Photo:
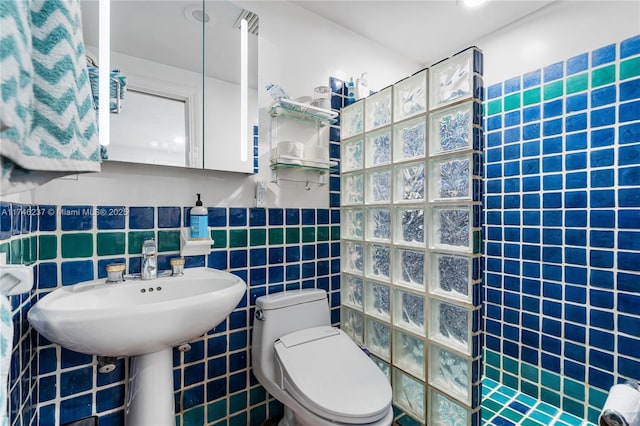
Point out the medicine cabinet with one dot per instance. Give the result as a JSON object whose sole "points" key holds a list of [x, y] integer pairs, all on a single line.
{"points": [[192, 75]]}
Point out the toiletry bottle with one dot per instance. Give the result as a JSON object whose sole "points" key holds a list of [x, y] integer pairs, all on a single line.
{"points": [[276, 92], [199, 221], [351, 90], [362, 87]]}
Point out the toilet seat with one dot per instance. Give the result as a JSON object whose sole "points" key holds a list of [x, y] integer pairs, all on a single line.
{"points": [[331, 376]]}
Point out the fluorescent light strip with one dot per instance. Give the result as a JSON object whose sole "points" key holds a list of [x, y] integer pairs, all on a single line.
{"points": [[244, 86], [104, 75]]}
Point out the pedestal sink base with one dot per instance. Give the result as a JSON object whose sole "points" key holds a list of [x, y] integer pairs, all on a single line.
{"points": [[150, 401]]}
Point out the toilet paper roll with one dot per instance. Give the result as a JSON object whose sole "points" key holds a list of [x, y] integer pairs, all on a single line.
{"points": [[622, 407]]}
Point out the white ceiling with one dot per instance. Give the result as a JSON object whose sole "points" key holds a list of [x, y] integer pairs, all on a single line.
{"points": [[426, 31]]}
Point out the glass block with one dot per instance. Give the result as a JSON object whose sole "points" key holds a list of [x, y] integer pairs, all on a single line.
{"points": [[378, 109], [351, 291], [409, 226], [451, 228], [450, 325], [351, 223], [377, 301], [450, 276], [450, 373], [352, 189], [409, 267], [451, 178], [377, 338], [408, 353], [352, 120], [378, 262], [409, 394], [378, 186], [351, 322], [352, 258], [378, 224], [409, 139], [409, 183], [352, 157], [408, 311], [386, 369], [444, 411], [451, 129], [410, 96], [451, 80], [378, 148]]}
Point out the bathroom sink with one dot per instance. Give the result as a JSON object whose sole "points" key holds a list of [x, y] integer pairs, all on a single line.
{"points": [[143, 319], [137, 317]]}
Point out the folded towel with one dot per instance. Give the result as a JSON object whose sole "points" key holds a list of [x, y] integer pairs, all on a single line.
{"points": [[6, 343], [48, 125], [117, 88]]}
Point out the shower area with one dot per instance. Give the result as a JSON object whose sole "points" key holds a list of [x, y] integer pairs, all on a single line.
{"points": [[410, 233], [490, 237]]}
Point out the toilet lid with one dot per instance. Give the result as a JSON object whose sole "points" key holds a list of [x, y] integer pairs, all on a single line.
{"points": [[331, 376]]}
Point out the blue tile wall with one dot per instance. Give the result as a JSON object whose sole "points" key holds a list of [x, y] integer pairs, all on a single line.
{"points": [[213, 381], [562, 226], [18, 241], [256, 151]]}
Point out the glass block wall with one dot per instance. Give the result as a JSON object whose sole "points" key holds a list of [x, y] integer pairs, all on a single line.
{"points": [[563, 228], [410, 233]]}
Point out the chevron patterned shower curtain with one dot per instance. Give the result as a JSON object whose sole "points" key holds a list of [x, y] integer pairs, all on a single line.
{"points": [[48, 125]]}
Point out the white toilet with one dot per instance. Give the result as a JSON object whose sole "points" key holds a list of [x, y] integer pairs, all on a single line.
{"points": [[315, 370]]}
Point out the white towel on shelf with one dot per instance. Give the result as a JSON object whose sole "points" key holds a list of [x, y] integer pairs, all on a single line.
{"points": [[6, 346]]}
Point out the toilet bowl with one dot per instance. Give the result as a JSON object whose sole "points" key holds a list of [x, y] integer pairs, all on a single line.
{"points": [[315, 370]]}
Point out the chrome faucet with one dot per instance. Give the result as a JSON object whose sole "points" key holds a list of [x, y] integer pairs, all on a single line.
{"points": [[149, 270]]}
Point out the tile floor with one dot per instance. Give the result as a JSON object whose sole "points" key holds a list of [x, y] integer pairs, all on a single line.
{"points": [[504, 406]]}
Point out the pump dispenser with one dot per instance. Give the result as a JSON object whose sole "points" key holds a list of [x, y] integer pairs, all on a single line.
{"points": [[199, 221]]}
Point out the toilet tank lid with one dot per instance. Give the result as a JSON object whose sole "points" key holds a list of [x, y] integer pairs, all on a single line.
{"points": [[289, 298]]}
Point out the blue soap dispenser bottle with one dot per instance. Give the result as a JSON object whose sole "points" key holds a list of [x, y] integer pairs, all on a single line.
{"points": [[199, 221]]}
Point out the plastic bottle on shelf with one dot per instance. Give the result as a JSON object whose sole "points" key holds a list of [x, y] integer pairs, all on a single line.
{"points": [[276, 92], [362, 87], [351, 90], [199, 221]]}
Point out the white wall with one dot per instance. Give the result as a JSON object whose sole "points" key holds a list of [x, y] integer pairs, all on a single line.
{"points": [[300, 51], [555, 33], [297, 50]]}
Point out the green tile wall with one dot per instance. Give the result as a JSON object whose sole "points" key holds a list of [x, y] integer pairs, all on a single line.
{"points": [[238, 238], [276, 236], [168, 241], [258, 237], [136, 238], [48, 247], [77, 245], [110, 243]]}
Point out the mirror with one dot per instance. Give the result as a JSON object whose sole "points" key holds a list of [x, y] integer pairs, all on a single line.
{"points": [[182, 62]]}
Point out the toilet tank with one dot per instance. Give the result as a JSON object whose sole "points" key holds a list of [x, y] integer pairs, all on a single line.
{"points": [[280, 314]]}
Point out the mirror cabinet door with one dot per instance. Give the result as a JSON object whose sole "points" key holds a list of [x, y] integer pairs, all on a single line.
{"points": [[230, 87], [176, 83]]}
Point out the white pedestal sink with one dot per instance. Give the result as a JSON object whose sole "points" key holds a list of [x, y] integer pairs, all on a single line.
{"points": [[143, 319]]}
